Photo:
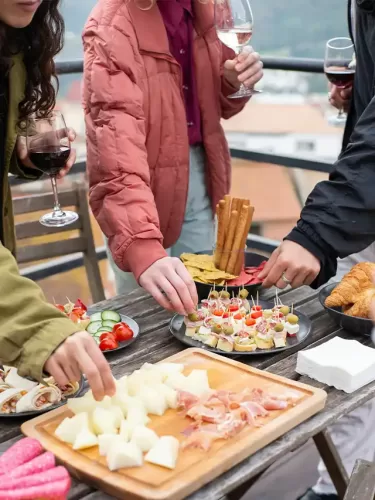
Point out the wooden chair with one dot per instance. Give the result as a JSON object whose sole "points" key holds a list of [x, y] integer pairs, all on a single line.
{"points": [[77, 197], [362, 482]]}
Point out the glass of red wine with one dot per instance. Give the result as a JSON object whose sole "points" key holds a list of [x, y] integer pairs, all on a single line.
{"points": [[234, 23], [48, 148], [339, 67]]}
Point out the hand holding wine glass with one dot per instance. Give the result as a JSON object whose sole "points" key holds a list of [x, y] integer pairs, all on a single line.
{"points": [[48, 148], [234, 25], [339, 67]]}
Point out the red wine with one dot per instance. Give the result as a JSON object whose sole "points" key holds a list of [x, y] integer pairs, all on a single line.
{"points": [[49, 159], [341, 76]]}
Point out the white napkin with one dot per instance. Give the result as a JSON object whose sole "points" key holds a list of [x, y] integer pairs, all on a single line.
{"points": [[344, 364]]}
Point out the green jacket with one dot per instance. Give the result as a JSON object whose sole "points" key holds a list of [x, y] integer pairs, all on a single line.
{"points": [[30, 328]]}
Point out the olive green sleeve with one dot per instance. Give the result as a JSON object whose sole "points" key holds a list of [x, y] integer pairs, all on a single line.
{"points": [[30, 328], [16, 168]]}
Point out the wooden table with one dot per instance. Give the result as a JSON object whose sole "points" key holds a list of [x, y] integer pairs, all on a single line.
{"points": [[156, 343]]}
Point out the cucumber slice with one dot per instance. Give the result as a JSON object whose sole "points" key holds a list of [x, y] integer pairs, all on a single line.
{"points": [[111, 315], [102, 330], [94, 326], [109, 324], [96, 317]]}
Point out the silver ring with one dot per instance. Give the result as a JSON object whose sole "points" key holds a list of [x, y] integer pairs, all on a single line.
{"points": [[285, 279]]}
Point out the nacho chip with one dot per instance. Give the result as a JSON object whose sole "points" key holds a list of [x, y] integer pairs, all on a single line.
{"points": [[202, 269]]}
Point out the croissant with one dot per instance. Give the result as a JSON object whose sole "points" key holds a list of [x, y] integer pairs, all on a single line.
{"points": [[359, 279], [362, 304]]}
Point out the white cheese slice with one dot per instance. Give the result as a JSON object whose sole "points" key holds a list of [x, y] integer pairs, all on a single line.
{"points": [[124, 455], [144, 438], [164, 453], [106, 441], [85, 439], [103, 421]]}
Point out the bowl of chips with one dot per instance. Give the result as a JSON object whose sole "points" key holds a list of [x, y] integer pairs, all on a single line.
{"points": [[206, 276]]}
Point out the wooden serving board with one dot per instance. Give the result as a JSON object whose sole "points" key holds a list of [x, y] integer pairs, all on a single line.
{"points": [[195, 467]]}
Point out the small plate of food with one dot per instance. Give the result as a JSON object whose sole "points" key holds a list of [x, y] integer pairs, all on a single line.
{"points": [[236, 325], [21, 397], [348, 302], [111, 330], [229, 264]]}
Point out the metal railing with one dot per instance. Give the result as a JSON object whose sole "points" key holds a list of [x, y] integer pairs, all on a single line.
{"points": [[65, 264]]}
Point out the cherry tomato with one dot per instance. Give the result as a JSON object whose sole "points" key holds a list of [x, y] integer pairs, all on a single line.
{"points": [[78, 311], [225, 315], [107, 335], [108, 344], [123, 332], [218, 312], [60, 307], [256, 308], [250, 322], [256, 314], [74, 317], [233, 308], [238, 316]]}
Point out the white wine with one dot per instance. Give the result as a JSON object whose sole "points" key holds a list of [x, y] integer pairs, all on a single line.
{"points": [[235, 38]]}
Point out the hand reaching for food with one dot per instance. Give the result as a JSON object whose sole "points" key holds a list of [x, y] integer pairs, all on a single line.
{"points": [[78, 355], [290, 264], [171, 285]]}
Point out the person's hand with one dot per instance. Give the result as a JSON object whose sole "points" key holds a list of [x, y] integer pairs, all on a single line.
{"points": [[23, 156], [246, 68], [340, 98], [290, 264], [171, 285], [78, 355]]}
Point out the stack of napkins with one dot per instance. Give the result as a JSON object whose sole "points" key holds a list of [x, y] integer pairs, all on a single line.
{"points": [[344, 364]]}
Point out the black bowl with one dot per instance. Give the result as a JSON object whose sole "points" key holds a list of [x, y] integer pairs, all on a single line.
{"points": [[251, 260], [359, 326]]}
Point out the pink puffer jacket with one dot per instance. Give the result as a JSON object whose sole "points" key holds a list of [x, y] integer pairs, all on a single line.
{"points": [[138, 151]]}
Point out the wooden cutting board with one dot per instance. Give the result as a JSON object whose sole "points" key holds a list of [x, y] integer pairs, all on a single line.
{"points": [[195, 467]]}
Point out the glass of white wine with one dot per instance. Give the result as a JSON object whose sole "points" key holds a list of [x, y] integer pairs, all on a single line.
{"points": [[234, 23]]}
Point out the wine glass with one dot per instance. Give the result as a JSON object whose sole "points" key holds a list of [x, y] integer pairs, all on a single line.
{"points": [[48, 148], [339, 67], [234, 25]]}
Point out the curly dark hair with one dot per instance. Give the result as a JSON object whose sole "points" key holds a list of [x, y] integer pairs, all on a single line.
{"points": [[39, 42]]}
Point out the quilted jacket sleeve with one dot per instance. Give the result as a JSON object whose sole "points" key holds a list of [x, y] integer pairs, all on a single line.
{"points": [[229, 107], [120, 192], [30, 329]]}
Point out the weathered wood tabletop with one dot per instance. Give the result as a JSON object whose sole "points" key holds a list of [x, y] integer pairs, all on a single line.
{"points": [[156, 343]]}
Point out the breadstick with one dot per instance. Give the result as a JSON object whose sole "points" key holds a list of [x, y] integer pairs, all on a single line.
{"points": [[229, 240], [235, 204], [238, 239], [239, 264], [220, 209], [227, 211]]}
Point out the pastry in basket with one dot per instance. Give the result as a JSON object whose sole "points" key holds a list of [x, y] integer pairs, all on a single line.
{"points": [[362, 305], [352, 285]]}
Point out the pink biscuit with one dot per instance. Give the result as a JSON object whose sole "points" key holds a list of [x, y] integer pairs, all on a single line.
{"points": [[18, 454], [57, 489], [39, 464], [50, 476]]}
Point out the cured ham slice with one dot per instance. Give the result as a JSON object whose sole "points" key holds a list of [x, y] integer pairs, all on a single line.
{"points": [[201, 439], [202, 413], [185, 400]]}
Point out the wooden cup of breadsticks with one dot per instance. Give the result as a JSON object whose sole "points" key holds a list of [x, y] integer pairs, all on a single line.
{"points": [[234, 218]]}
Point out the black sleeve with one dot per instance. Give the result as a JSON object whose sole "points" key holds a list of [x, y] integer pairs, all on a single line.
{"points": [[339, 216]]}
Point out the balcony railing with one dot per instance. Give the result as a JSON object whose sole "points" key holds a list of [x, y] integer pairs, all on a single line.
{"points": [[64, 264]]}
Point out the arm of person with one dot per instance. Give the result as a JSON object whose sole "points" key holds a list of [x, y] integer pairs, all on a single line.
{"points": [[36, 337], [120, 193], [338, 218]]}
